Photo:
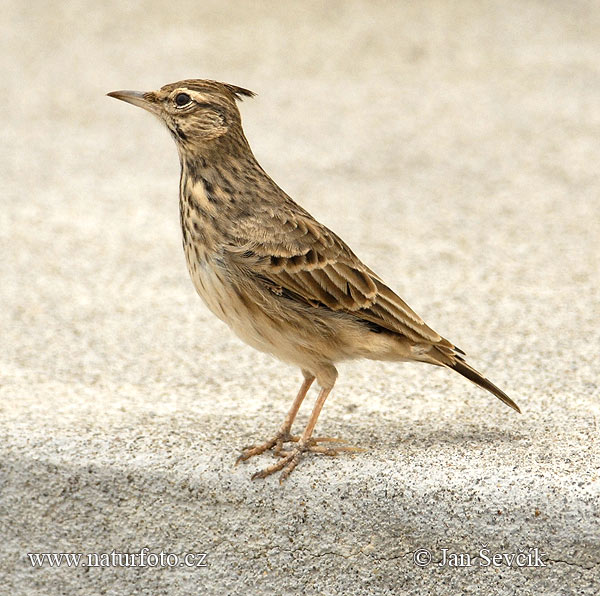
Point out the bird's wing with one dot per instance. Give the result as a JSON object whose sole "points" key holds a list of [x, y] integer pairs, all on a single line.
{"points": [[296, 254]]}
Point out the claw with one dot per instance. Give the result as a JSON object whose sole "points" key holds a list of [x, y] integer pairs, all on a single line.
{"points": [[287, 464], [253, 450], [332, 451], [289, 458], [277, 441]]}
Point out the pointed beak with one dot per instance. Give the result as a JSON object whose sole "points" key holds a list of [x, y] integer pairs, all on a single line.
{"points": [[137, 98]]}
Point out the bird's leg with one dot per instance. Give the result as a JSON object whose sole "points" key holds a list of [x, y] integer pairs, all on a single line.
{"points": [[290, 459], [283, 434]]}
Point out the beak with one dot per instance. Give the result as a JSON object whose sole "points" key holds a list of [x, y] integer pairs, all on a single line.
{"points": [[137, 98]]}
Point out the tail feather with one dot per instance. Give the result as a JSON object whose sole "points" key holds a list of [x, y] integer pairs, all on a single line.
{"points": [[470, 373]]}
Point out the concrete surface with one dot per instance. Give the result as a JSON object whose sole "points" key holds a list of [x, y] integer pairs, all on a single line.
{"points": [[454, 147]]}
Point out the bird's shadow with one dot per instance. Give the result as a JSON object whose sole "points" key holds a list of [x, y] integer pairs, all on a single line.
{"points": [[426, 434], [449, 436]]}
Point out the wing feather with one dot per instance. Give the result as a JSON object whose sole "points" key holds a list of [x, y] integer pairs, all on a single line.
{"points": [[308, 260]]}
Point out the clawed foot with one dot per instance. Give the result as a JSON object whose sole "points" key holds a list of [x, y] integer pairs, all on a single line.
{"points": [[290, 458], [277, 443]]}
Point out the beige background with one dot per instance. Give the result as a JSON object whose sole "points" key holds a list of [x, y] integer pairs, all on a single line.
{"points": [[454, 146]]}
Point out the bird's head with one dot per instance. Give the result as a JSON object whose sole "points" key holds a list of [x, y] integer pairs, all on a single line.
{"points": [[195, 111]]}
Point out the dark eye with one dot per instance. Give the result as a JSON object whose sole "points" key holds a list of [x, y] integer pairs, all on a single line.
{"points": [[182, 99]]}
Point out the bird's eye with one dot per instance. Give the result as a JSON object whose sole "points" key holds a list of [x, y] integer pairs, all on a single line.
{"points": [[182, 99]]}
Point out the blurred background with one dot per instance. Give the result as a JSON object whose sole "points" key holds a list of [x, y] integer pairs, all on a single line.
{"points": [[453, 145]]}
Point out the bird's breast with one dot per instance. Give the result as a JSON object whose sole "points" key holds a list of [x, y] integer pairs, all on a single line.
{"points": [[211, 283]]}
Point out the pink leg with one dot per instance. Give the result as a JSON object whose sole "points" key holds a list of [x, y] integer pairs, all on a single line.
{"points": [[283, 434], [305, 443]]}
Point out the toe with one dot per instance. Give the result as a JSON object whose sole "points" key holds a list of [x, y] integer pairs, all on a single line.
{"points": [[290, 467], [271, 469]]}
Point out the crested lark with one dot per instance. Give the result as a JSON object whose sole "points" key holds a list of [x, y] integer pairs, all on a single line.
{"points": [[282, 281]]}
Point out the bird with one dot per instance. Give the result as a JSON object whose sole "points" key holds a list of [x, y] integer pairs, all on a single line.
{"points": [[283, 282]]}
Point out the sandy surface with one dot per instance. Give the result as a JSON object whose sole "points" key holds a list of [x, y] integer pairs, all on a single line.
{"points": [[455, 149]]}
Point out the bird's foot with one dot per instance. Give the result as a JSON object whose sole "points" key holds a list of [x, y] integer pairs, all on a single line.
{"points": [[276, 443], [289, 459]]}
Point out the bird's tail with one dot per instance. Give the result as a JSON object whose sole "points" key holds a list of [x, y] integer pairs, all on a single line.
{"points": [[470, 373], [453, 358]]}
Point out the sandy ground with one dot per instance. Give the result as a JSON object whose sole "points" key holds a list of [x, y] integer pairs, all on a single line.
{"points": [[454, 147]]}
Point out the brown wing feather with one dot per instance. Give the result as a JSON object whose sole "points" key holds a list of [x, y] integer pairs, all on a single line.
{"points": [[309, 260]]}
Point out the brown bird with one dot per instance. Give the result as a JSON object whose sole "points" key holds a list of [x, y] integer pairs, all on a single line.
{"points": [[284, 283]]}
